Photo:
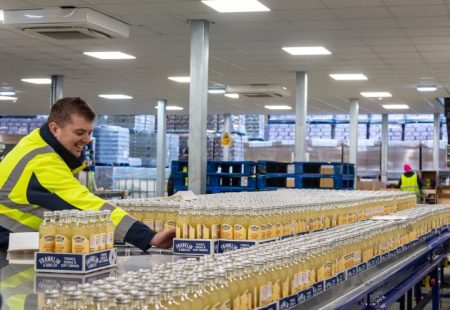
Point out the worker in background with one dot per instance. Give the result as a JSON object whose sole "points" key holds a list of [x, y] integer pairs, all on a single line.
{"points": [[410, 182], [38, 175]]}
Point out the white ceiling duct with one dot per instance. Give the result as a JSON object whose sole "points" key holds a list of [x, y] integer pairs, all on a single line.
{"points": [[66, 24], [259, 90]]}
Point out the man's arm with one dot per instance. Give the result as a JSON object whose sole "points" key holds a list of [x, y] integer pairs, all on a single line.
{"points": [[54, 181]]}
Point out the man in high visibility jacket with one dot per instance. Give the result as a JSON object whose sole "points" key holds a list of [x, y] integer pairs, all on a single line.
{"points": [[410, 182], [38, 175]]}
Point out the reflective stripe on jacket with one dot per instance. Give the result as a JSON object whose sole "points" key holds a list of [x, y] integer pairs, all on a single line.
{"points": [[409, 184], [38, 175]]}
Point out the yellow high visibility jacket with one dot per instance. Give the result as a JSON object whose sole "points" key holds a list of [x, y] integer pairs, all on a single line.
{"points": [[410, 184], [38, 175]]}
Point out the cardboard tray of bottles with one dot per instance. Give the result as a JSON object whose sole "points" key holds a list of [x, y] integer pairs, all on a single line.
{"points": [[212, 246], [75, 263]]}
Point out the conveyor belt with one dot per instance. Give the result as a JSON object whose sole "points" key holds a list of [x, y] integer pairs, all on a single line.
{"points": [[384, 283]]}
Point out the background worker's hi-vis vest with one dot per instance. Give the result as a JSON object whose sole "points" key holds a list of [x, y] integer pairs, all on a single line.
{"points": [[409, 184], [38, 175]]}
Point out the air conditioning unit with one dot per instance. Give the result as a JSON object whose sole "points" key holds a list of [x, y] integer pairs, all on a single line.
{"points": [[66, 24], [259, 90]]}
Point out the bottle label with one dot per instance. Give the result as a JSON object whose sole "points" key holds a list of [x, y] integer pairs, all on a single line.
{"points": [[206, 233], [240, 233], [226, 305], [93, 243], [276, 291], [215, 231], [102, 244], [80, 244], [226, 231], [191, 231], [269, 292], [285, 289], [244, 301], [262, 295], [47, 243], [62, 244], [169, 224], [278, 229], [109, 240], [269, 231], [199, 231], [159, 225], [254, 232], [185, 231], [150, 223], [348, 260], [263, 231], [237, 303]]}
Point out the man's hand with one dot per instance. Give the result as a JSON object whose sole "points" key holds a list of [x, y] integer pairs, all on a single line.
{"points": [[163, 239]]}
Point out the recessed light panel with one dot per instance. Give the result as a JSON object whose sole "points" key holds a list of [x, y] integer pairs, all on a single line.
{"points": [[115, 96], [180, 79], [172, 108], [426, 88], [236, 6], [278, 107], [38, 81], [348, 76], [6, 98], [232, 95], [216, 90], [306, 50], [109, 55], [2, 16], [395, 106], [380, 94]]}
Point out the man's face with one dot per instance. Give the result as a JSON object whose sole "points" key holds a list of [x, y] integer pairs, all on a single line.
{"points": [[74, 135]]}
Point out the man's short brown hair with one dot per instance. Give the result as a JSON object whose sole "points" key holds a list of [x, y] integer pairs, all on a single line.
{"points": [[64, 108]]}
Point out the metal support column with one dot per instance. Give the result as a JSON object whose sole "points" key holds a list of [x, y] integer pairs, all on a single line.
{"points": [[301, 108], [56, 91], [354, 110], [161, 149], [198, 105], [436, 135], [227, 129], [384, 147]]}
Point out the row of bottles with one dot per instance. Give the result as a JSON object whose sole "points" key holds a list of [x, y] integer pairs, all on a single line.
{"points": [[252, 277], [264, 215], [73, 231]]}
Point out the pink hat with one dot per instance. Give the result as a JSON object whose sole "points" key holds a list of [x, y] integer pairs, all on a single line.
{"points": [[407, 168]]}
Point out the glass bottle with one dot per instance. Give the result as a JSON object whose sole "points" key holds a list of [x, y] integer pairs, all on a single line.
{"points": [[51, 300], [47, 233]]}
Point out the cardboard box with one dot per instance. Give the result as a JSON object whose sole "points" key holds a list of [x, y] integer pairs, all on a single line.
{"points": [[326, 183], [327, 169]]}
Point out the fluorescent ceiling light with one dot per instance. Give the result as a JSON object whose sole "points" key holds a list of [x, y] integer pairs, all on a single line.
{"points": [[278, 107], [395, 106], [115, 96], [216, 90], [172, 108], [232, 95], [180, 79], [380, 94], [8, 98], [37, 81], [109, 55], [426, 88], [229, 6], [1, 15], [306, 50], [348, 76]]}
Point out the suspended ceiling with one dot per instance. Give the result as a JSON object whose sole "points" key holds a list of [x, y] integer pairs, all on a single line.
{"points": [[397, 44]]}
